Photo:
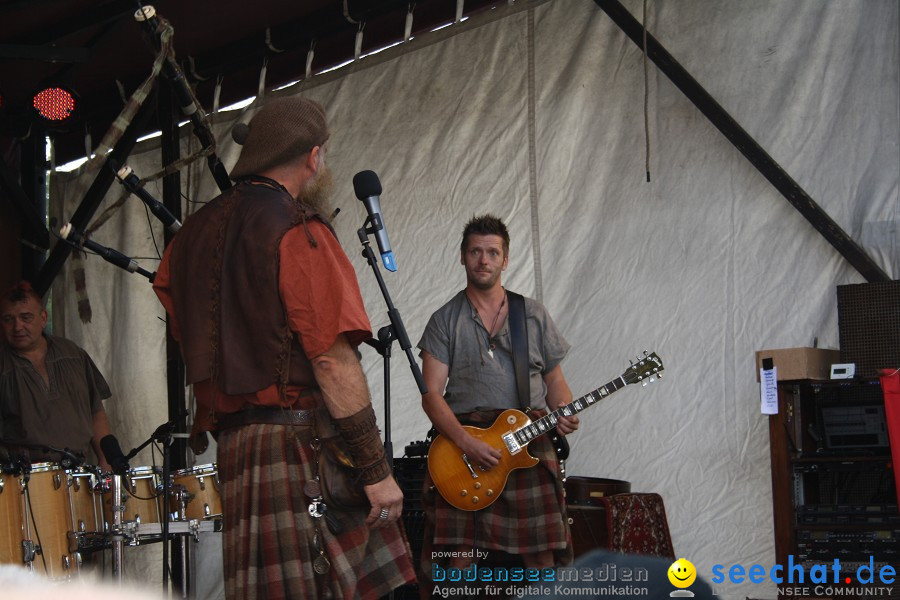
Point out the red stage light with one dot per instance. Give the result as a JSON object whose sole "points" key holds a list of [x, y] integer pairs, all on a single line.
{"points": [[55, 104]]}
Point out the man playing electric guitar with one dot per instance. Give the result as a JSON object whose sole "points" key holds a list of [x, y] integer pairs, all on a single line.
{"points": [[468, 367]]}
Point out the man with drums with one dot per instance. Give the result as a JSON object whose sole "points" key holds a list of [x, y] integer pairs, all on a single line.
{"points": [[51, 397], [51, 392]]}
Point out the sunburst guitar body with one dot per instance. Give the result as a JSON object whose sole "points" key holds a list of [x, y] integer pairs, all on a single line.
{"points": [[467, 486]]}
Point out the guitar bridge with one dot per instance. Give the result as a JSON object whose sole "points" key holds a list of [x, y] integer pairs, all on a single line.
{"points": [[511, 443], [469, 467]]}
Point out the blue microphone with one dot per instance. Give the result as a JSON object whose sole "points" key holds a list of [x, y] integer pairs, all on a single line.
{"points": [[368, 190]]}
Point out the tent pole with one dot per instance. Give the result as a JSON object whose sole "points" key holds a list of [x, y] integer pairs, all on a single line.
{"points": [[171, 152]]}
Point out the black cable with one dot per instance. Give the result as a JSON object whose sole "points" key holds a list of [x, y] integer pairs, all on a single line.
{"points": [[152, 235], [37, 533], [195, 201]]}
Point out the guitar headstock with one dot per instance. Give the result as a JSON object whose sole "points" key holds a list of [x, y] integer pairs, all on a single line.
{"points": [[647, 369]]}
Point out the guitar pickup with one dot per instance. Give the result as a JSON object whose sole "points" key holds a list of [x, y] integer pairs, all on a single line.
{"points": [[511, 444]]}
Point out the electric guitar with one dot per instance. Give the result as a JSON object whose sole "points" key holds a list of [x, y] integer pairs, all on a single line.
{"points": [[467, 486]]}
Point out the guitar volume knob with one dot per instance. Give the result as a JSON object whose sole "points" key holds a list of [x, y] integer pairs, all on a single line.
{"points": [[475, 499], [464, 493]]}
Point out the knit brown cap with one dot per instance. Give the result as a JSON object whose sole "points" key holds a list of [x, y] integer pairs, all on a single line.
{"points": [[282, 130]]}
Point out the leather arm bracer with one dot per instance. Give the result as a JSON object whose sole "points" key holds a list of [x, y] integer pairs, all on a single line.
{"points": [[360, 433]]}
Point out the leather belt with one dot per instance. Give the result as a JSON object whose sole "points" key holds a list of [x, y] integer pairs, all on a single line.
{"points": [[270, 415]]}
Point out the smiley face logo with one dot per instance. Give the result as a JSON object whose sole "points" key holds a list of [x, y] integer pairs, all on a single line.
{"points": [[682, 573]]}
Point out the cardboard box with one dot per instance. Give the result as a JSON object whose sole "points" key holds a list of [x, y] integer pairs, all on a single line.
{"points": [[800, 363]]}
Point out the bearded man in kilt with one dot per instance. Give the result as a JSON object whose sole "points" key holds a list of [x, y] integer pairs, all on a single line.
{"points": [[268, 312]]}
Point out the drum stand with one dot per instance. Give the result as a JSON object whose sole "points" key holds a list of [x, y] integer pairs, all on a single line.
{"points": [[117, 507], [123, 534], [164, 435]]}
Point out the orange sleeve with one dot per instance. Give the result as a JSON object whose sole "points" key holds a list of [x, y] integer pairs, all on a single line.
{"points": [[162, 287], [319, 290]]}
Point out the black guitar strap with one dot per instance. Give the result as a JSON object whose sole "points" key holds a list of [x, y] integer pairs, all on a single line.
{"points": [[518, 338]]}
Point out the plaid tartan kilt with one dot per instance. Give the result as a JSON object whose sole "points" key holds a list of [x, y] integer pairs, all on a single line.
{"points": [[269, 537], [528, 517]]}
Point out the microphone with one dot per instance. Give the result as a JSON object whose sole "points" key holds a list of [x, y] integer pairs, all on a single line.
{"points": [[22, 466], [368, 189], [67, 458], [167, 429], [132, 183], [68, 232], [114, 455]]}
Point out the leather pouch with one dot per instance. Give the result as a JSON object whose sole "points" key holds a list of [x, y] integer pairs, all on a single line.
{"points": [[341, 488]]}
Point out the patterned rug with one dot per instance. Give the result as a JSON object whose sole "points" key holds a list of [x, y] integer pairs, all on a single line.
{"points": [[637, 524]]}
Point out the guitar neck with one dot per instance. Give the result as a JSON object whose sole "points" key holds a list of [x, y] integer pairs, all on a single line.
{"points": [[539, 427]]}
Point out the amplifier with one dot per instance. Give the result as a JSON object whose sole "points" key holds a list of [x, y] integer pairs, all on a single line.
{"points": [[409, 472], [850, 486], [813, 514], [848, 546], [869, 326], [587, 512], [410, 476], [589, 490], [588, 526], [854, 427]]}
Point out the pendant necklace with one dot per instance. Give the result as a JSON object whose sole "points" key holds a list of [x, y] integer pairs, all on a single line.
{"points": [[491, 345]]}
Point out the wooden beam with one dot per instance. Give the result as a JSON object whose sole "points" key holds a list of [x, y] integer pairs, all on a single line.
{"points": [[95, 194]]}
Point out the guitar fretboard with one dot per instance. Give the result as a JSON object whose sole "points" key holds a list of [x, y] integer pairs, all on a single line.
{"points": [[541, 426]]}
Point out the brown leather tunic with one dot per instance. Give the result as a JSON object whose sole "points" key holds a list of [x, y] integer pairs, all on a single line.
{"points": [[224, 273]]}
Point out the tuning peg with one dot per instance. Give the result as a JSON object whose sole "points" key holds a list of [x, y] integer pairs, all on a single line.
{"points": [[644, 383]]}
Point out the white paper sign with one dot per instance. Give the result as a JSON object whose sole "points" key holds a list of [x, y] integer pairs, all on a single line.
{"points": [[768, 391]]}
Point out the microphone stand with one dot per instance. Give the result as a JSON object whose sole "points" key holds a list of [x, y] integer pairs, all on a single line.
{"points": [[151, 23], [164, 435], [166, 440], [110, 255], [117, 506], [68, 459], [386, 336], [383, 346]]}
